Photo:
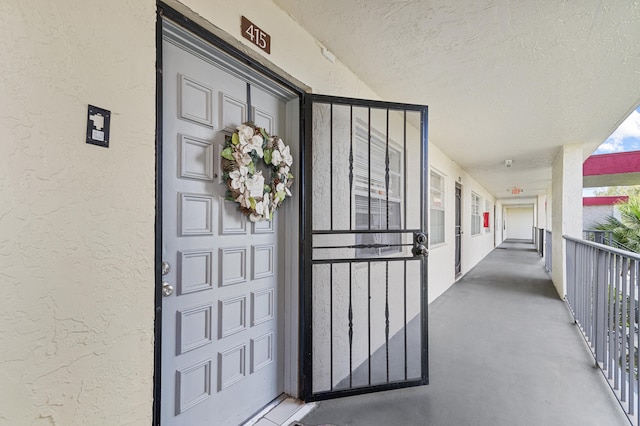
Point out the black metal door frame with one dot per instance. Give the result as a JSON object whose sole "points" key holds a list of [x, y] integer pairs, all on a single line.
{"points": [[419, 249], [458, 230]]}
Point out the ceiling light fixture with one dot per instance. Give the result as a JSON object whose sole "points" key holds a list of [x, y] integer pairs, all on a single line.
{"points": [[507, 163]]}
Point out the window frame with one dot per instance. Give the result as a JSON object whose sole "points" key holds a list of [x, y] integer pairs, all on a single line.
{"points": [[378, 142], [476, 216], [442, 208]]}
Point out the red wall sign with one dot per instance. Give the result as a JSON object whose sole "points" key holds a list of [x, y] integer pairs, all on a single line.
{"points": [[485, 216]]}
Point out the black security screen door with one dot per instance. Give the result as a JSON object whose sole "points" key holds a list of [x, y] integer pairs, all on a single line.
{"points": [[365, 266]]}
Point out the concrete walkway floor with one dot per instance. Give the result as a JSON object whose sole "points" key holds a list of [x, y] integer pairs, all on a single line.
{"points": [[503, 350]]}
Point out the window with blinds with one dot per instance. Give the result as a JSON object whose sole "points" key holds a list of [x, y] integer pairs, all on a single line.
{"points": [[437, 209], [476, 216], [372, 210]]}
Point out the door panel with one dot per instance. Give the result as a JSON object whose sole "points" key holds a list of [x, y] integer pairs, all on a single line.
{"points": [[222, 325], [365, 289]]}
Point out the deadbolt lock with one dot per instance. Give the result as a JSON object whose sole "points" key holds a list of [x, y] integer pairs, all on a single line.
{"points": [[165, 267]]}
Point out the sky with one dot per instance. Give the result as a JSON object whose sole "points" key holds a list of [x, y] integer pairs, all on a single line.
{"points": [[625, 138]]}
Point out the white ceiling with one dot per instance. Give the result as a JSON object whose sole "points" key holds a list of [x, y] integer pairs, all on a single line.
{"points": [[503, 79]]}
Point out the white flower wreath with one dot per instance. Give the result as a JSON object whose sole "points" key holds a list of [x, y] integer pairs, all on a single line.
{"points": [[242, 151]]}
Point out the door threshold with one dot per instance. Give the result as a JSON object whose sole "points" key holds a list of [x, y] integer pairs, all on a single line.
{"points": [[282, 411]]}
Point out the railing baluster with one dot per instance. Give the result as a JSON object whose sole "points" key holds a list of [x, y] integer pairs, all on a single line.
{"points": [[616, 354], [602, 292], [610, 363], [634, 282], [631, 365], [600, 306], [625, 336]]}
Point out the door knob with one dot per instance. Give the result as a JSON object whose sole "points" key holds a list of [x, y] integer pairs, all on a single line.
{"points": [[167, 289], [420, 250], [419, 244], [165, 267]]}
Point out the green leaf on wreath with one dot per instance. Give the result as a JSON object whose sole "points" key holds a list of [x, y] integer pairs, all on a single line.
{"points": [[267, 189], [252, 168], [264, 134], [227, 153], [289, 176], [253, 203], [267, 156], [235, 139]]}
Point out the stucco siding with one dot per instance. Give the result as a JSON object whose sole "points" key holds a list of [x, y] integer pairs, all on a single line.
{"points": [[592, 215], [77, 221]]}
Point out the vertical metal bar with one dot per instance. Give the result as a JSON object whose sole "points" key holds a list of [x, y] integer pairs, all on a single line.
{"points": [[579, 288], [616, 351], [350, 326], [405, 321], [369, 167], [250, 116], [632, 333], [158, 225], [369, 318], [611, 293], [600, 306], [404, 170], [578, 293], [636, 332], [571, 290], [588, 297], [584, 276], [386, 172], [386, 315], [386, 285], [625, 338], [351, 198], [331, 326], [591, 294], [584, 259], [331, 166], [424, 296], [306, 247]]}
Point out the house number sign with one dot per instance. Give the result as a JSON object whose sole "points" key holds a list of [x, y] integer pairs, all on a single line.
{"points": [[255, 35]]}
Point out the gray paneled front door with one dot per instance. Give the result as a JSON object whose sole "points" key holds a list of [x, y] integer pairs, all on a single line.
{"points": [[221, 323]]}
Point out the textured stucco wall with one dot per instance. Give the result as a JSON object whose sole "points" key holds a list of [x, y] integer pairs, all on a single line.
{"points": [[567, 208], [76, 221], [474, 249], [592, 215], [519, 222], [541, 207]]}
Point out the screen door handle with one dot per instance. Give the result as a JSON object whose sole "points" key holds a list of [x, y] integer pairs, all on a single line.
{"points": [[419, 244]]}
